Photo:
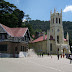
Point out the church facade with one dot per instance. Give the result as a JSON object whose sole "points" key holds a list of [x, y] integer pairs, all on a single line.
{"points": [[54, 42], [55, 37]]}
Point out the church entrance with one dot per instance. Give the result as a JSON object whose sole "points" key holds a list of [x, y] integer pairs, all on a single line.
{"points": [[64, 50]]}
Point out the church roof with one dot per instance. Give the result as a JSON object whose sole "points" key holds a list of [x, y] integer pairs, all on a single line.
{"points": [[14, 32], [40, 39]]}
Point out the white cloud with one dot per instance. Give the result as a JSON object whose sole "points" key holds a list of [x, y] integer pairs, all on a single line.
{"points": [[68, 8], [24, 20]]}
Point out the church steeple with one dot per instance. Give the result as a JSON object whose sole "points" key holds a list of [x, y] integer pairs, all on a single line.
{"points": [[67, 37], [56, 28]]}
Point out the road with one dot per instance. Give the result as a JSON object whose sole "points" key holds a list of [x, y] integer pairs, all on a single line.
{"points": [[35, 64]]}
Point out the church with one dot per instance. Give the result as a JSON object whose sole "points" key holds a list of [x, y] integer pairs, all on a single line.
{"points": [[54, 42]]}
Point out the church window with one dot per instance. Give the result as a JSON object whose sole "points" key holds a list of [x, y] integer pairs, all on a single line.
{"points": [[59, 20], [58, 30], [56, 20], [53, 20], [57, 39], [52, 30], [50, 46]]}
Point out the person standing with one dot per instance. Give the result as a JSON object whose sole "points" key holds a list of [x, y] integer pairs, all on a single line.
{"points": [[42, 54], [61, 55], [58, 56], [70, 58]]}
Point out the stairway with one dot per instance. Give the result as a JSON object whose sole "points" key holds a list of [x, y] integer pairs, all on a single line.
{"points": [[31, 53]]}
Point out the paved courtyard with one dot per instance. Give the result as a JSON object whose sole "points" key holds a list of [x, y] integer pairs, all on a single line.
{"points": [[35, 64]]}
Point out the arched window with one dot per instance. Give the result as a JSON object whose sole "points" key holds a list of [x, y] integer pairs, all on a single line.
{"points": [[53, 20], [57, 39], [50, 46], [59, 20], [56, 20]]}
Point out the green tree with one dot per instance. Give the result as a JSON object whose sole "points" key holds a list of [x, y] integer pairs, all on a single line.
{"points": [[29, 26], [19, 14], [10, 15]]}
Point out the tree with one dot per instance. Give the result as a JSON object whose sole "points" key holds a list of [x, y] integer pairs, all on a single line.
{"points": [[19, 14], [29, 26], [10, 15]]}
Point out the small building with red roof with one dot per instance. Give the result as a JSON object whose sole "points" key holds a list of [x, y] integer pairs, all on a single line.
{"points": [[39, 44], [13, 40]]}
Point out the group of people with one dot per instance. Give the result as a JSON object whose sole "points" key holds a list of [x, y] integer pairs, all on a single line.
{"points": [[41, 54], [61, 56], [70, 57]]}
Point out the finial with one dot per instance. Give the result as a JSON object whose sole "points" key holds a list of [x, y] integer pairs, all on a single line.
{"points": [[61, 11], [54, 10], [50, 12], [67, 36]]}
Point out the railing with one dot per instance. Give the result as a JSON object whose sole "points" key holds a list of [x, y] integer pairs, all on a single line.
{"points": [[14, 40], [1, 40]]}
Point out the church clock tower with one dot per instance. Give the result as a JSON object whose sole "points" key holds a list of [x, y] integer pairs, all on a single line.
{"points": [[56, 30]]}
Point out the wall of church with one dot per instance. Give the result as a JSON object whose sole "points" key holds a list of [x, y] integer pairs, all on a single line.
{"points": [[65, 42], [54, 48], [39, 46]]}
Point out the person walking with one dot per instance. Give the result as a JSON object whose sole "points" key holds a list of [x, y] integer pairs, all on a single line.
{"points": [[61, 55], [58, 53], [58, 56], [42, 54], [70, 58]]}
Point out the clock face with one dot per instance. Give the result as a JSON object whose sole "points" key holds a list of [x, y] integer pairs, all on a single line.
{"points": [[58, 30]]}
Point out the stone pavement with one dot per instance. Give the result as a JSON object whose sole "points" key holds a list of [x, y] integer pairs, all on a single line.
{"points": [[35, 64]]}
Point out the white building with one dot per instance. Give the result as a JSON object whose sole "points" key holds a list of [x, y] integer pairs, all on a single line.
{"points": [[56, 43]]}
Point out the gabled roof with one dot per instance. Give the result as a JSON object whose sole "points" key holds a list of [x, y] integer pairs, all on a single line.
{"points": [[14, 32], [39, 39]]}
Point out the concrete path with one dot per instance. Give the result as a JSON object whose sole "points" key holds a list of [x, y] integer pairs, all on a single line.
{"points": [[35, 64]]}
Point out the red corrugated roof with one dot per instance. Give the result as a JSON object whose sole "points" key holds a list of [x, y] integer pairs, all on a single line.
{"points": [[39, 39], [15, 32]]}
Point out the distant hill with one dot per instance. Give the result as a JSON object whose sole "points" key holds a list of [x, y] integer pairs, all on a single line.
{"points": [[38, 25]]}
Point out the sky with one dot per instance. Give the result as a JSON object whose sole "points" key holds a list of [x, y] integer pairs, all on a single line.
{"points": [[40, 9]]}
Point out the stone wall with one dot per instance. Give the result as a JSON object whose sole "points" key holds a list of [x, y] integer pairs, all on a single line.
{"points": [[11, 47]]}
